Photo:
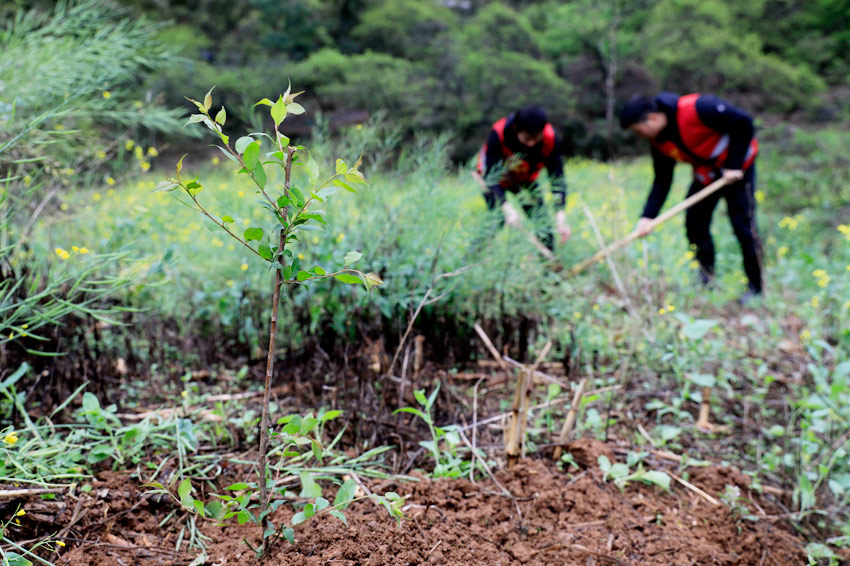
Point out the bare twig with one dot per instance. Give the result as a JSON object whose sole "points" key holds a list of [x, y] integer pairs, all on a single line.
{"points": [[570, 421]]}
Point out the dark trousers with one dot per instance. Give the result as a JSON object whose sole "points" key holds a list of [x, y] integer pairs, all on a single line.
{"points": [[741, 203], [532, 205]]}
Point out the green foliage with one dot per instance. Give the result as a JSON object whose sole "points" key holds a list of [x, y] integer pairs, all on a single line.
{"points": [[404, 28], [621, 475]]}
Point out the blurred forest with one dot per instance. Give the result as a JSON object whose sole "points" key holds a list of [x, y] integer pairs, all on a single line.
{"points": [[458, 65]]}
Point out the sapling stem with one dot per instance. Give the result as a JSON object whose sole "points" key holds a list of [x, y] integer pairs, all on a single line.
{"points": [[264, 425]]}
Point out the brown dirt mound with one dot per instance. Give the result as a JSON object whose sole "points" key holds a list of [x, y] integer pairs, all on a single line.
{"points": [[552, 519]]}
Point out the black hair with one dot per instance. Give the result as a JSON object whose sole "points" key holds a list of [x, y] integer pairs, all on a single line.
{"points": [[530, 119], [636, 110]]}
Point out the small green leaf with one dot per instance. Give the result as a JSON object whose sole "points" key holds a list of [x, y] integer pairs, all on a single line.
{"points": [[660, 479], [227, 219], [199, 507], [339, 515], [319, 271], [208, 100], [302, 275], [345, 493], [298, 518], [221, 116], [295, 108], [348, 278], [238, 486], [195, 118], [242, 143], [309, 487], [321, 503], [264, 250], [265, 102], [278, 111], [180, 165], [251, 155], [184, 488], [374, 280], [341, 167], [419, 395], [351, 257], [165, 186], [253, 234], [260, 175]]}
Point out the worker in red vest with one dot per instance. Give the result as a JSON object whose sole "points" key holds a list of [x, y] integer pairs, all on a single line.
{"points": [[718, 140], [517, 149]]}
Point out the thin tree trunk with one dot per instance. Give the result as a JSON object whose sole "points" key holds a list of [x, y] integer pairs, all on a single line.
{"points": [[264, 423]]}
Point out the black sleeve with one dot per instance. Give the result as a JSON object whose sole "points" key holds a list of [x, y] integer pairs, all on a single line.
{"points": [[663, 166], [555, 168], [725, 118], [493, 165]]}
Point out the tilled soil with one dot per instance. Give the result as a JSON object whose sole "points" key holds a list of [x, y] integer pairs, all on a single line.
{"points": [[552, 518]]}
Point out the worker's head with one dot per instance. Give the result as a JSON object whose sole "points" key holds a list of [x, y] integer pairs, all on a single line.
{"points": [[529, 123], [642, 116]]}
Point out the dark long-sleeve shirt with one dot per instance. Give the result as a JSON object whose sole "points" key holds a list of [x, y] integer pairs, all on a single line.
{"points": [[715, 113], [494, 162]]}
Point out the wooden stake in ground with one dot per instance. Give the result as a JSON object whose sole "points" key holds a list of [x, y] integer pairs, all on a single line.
{"points": [[684, 205], [570, 421], [705, 410], [516, 430], [490, 347]]}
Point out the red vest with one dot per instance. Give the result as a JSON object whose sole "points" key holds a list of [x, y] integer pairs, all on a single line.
{"points": [[518, 171], [704, 148]]}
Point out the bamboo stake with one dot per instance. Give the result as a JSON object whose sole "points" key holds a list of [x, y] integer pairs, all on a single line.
{"points": [[684, 205], [704, 409], [570, 420]]}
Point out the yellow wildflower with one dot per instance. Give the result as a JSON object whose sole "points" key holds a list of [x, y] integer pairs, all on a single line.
{"points": [[152, 152], [300, 256], [805, 335], [782, 251], [84, 250], [240, 194], [110, 181], [63, 254], [95, 197], [27, 180], [244, 267], [100, 154], [819, 272], [184, 394], [63, 206], [596, 307], [693, 265], [341, 237], [25, 326], [359, 126], [60, 543], [10, 439], [823, 281], [129, 144], [216, 160], [145, 165], [139, 152], [138, 104], [759, 197], [844, 229], [577, 315], [21, 513], [230, 283], [107, 95], [670, 308], [75, 249], [661, 310], [815, 302]]}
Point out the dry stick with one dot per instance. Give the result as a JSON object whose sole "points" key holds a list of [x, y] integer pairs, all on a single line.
{"points": [[492, 349], [536, 373], [570, 420], [612, 266], [13, 493], [264, 426], [684, 205], [543, 250], [694, 488]]}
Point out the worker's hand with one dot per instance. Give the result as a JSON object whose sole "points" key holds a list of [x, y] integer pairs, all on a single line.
{"points": [[644, 226], [564, 230], [733, 175], [511, 214]]}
